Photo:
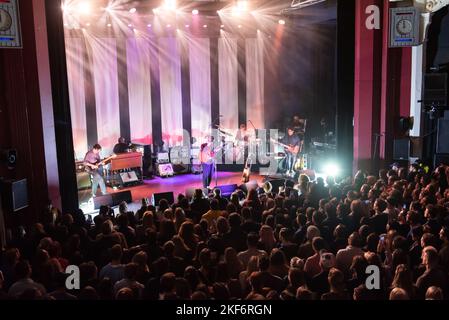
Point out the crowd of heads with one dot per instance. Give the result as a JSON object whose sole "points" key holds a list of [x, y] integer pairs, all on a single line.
{"points": [[311, 240]]}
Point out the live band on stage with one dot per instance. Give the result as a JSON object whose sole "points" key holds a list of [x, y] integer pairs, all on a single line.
{"points": [[129, 164]]}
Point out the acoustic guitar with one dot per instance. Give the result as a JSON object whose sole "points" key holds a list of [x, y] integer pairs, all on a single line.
{"points": [[247, 171]]}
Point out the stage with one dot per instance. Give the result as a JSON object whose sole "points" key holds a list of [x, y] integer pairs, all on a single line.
{"points": [[176, 184]]}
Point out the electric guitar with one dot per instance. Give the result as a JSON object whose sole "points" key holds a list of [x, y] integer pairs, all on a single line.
{"points": [[99, 164], [207, 155], [294, 150]]}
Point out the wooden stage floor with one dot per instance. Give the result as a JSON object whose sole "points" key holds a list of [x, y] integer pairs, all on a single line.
{"points": [[176, 184]]}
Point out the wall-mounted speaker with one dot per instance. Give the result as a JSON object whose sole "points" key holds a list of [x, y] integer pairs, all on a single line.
{"points": [[435, 89], [14, 194], [401, 149], [9, 156], [443, 136]]}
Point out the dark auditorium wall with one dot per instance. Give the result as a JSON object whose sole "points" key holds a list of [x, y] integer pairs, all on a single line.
{"points": [[21, 119]]}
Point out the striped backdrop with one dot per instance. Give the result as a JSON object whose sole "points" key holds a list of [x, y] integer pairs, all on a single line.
{"points": [[148, 90]]}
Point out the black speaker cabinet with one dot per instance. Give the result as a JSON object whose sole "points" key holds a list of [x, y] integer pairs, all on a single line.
{"points": [[14, 194], [401, 149], [435, 89], [443, 136], [169, 196], [227, 190], [112, 199]]}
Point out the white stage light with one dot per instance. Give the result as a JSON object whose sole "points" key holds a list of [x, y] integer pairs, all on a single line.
{"points": [[205, 26], [109, 25], [195, 11], [170, 4], [281, 22], [332, 169], [240, 7], [132, 10], [84, 7], [149, 25]]}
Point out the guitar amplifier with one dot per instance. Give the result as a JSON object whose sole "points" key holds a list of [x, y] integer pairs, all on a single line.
{"points": [[83, 180]]}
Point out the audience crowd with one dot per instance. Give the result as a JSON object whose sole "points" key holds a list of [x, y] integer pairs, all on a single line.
{"points": [[313, 240]]}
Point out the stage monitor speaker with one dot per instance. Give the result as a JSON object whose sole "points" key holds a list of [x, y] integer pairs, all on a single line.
{"points": [[181, 168], [123, 196], [441, 159], [401, 149], [435, 89], [105, 200], [129, 177], [112, 199], [14, 194], [443, 136], [227, 190], [169, 196], [190, 192], [83, 180], [249, 186], [165, 170]]}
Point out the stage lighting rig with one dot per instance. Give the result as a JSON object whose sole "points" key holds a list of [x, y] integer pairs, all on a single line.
{"points": [[301, 4]]}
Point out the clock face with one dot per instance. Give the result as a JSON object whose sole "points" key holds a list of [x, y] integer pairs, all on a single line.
{"points": [[5, 20], [404, 26]]}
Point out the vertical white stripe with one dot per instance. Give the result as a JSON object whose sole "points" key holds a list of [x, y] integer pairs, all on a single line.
{"points": [[75, 75], [228, 83], [255, 110], [200, 87], [139, 90], [104, 51], [171, 94], [416, 89]]}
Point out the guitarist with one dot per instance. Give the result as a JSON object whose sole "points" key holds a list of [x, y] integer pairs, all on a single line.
{"points": [[294, 142], [92, 162]]}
